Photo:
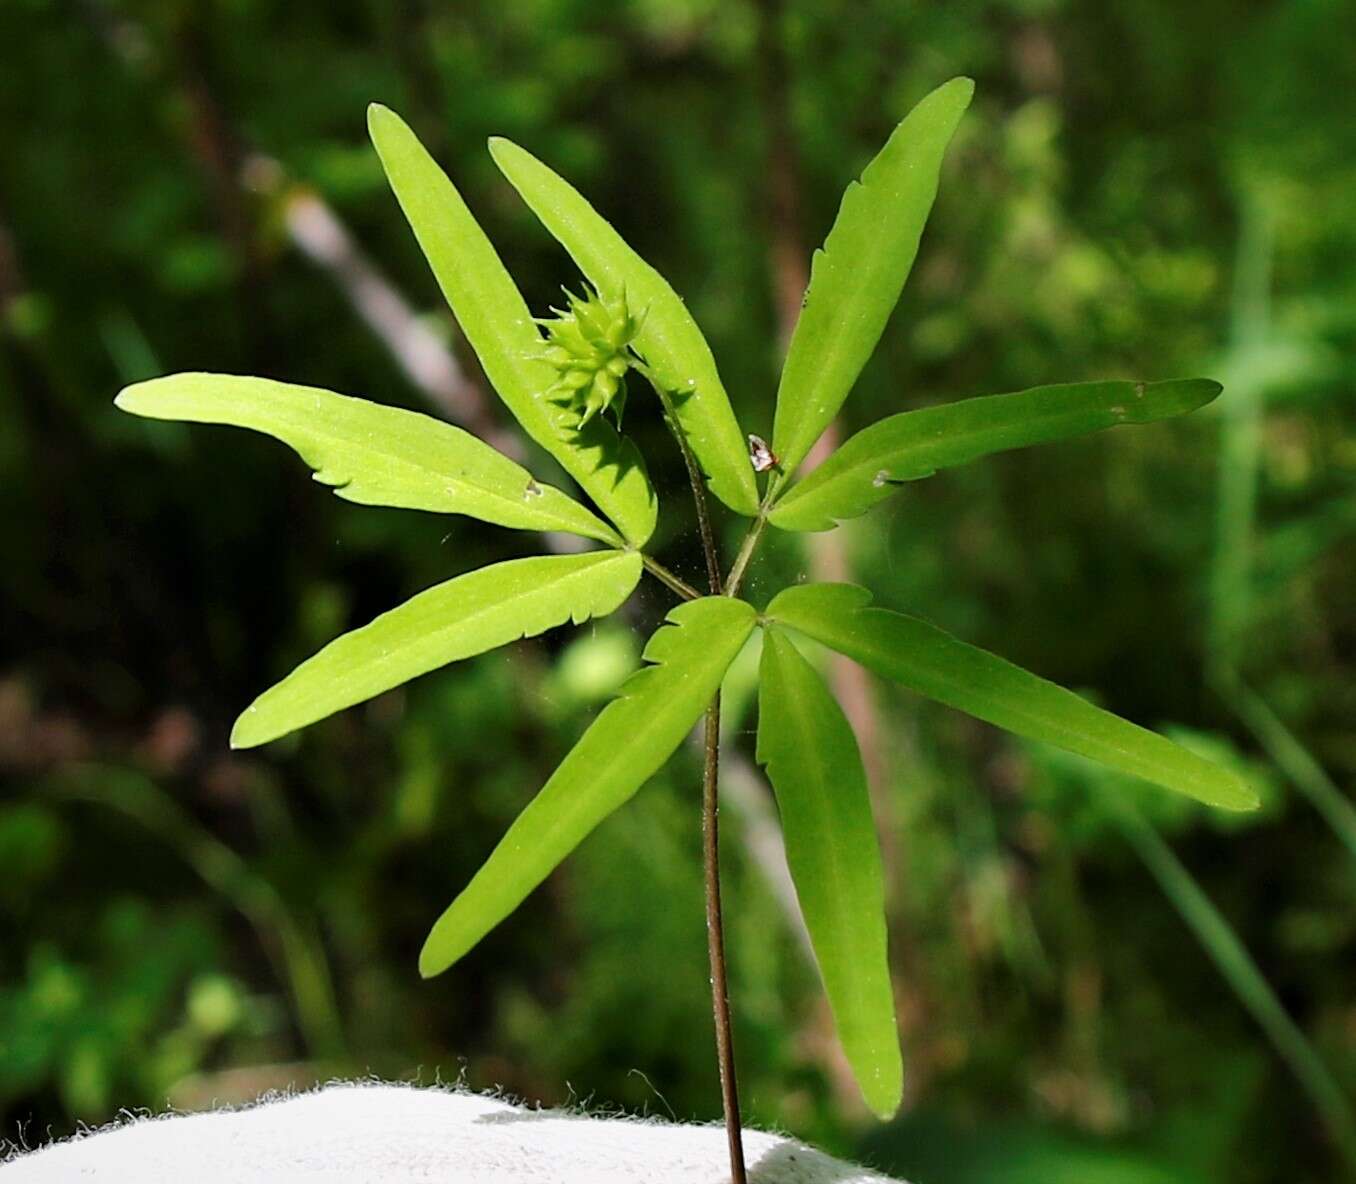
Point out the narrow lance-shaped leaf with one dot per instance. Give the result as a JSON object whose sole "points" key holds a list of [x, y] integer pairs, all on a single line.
{"points": [[812, 759], [468, 615], [631, 738], [375, 455], [855, 280], [496, 321], [869, 467], [669, 339], [933, 663]]}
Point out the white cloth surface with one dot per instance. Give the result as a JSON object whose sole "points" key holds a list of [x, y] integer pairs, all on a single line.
{"points": [[389, 1134]]}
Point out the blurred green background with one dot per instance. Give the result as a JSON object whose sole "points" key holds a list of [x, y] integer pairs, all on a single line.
{"points": [[1088, 991]]}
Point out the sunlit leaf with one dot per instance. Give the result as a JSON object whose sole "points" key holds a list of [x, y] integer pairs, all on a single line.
{"points": [[465, 616], [855, 280], [933, 663], [669, 339], [812, 760], [375, 455], [631, 738], [869, 467], [496, 321]]}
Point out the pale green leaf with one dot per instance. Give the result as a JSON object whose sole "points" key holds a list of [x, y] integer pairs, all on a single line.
{"points": [[855, 280], [868, 468], [631, 738], [669, 339], [457, 619], [375, 455], [496, 321], [933, 663], [815, 768]]}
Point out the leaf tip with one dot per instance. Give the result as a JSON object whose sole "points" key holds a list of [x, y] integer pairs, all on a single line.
{"points": [[962, 84], [883, 1088], [1238, 797], [430, 965], [245, 733], [504, 150]]}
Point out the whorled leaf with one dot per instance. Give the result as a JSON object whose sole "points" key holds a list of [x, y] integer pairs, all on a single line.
{"points": [[812, 760], [496, 321], [868, 468], [932, 662], [855, 280], [668, 338], [631, 738], [371, 454], [464, 616]]}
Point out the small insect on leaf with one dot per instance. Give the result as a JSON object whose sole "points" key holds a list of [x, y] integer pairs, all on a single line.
{"points": [[761, 455]]}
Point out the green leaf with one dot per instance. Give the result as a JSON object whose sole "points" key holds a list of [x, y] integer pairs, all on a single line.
{"points": [[933, 663], [631, 738], [811, 756], [669, 339], [457, 619], [855, 280], [375, 455], [496, 321], [915, 444]]}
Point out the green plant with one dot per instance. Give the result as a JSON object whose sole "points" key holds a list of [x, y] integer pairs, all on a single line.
{"points": [[561, 386]]}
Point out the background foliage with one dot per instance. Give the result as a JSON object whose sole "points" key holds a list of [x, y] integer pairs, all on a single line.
{"points": [[1145, 189]]}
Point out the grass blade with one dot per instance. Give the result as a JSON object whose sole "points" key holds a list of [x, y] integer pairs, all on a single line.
{"points": [[1234, 962]]}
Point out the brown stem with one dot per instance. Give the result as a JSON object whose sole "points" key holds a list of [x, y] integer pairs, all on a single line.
{"points": [[694, 477], [715, 945], [715, 928]]}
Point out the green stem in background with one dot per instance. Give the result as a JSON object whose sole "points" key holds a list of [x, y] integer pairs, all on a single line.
{"points": [[1241, 436], [1231, 580], [715, 927], [290, 942], [1290, 756], [1242, 974]]}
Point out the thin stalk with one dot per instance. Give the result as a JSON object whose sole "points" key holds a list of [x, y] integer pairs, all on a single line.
{"points": [[672, 581], [715, 945], [715, 927], [694, 477], [746, 550]]}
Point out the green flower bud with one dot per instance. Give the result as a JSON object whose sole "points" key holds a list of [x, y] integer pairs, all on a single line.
{"points": [[588, 345]]}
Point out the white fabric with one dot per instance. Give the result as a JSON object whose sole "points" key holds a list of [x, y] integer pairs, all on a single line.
{"points": [[387, 1134]]}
